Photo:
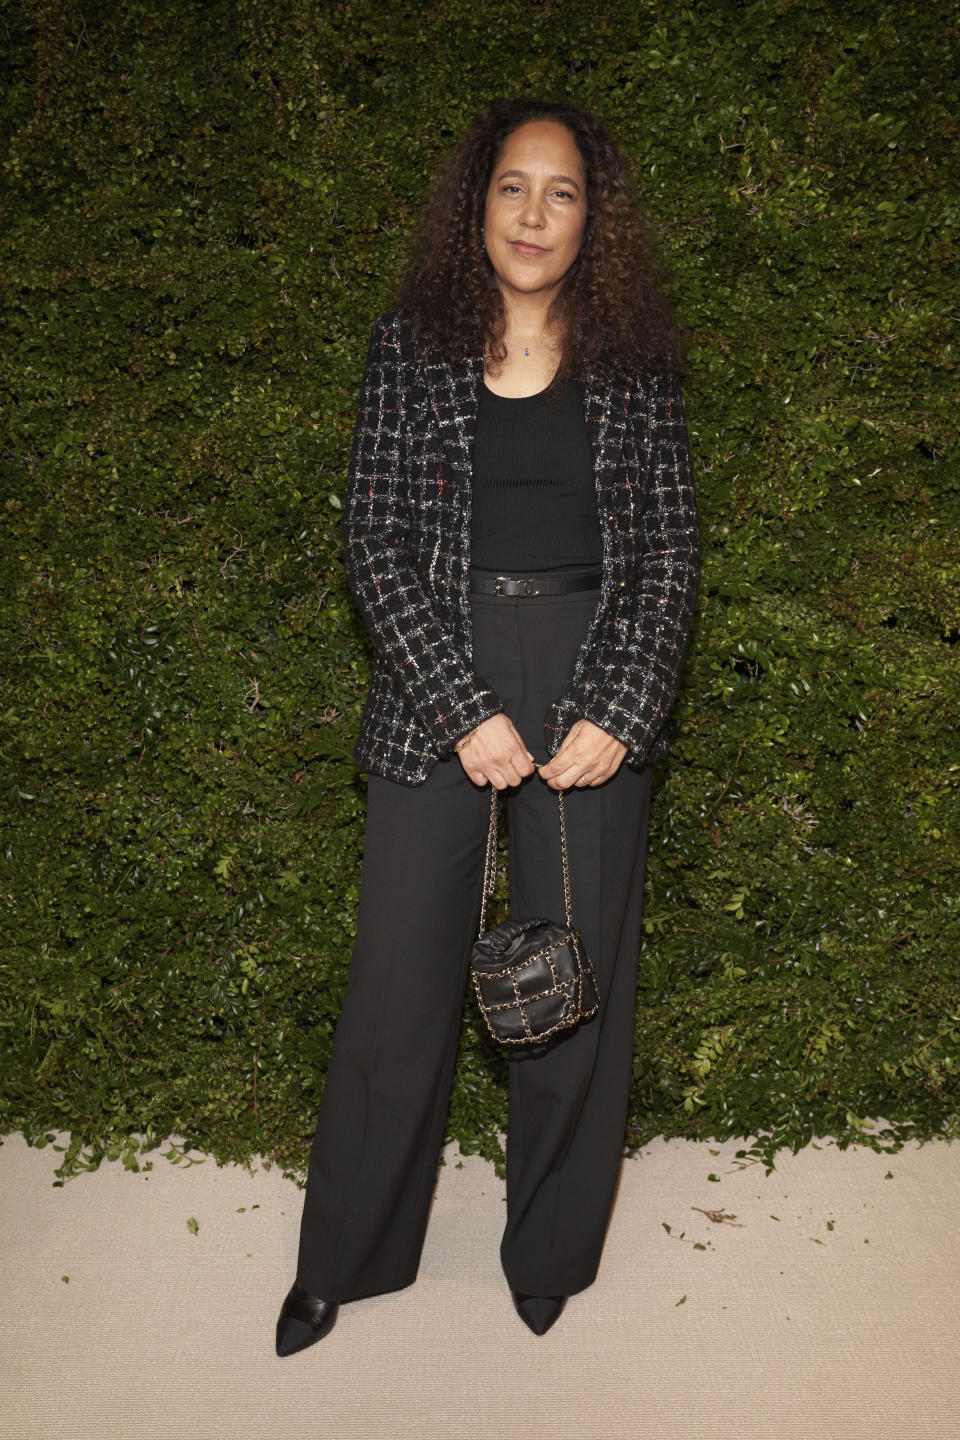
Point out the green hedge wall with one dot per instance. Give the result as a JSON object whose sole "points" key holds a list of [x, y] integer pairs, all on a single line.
{"points": [[204, 206]]}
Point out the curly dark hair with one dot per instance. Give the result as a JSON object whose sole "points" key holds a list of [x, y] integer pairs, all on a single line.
{"points": [[612, 311]]}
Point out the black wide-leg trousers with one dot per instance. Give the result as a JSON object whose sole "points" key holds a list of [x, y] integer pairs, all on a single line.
{"points": [[382, 1119]]}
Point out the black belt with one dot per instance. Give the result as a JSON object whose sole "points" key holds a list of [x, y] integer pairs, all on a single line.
{"points": [[487, 583]]}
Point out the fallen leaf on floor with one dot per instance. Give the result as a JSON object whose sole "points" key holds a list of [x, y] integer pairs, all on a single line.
{"points": [[719, 1217]]}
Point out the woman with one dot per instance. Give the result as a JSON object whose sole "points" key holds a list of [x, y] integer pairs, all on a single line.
{"points": [[520, 534]]}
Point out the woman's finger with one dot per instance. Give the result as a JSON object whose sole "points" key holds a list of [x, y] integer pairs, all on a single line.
{"points": [[566, 779], [586, 751], [578, 774], [500, 774], [511, 760]]}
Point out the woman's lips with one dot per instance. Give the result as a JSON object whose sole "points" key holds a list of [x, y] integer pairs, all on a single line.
{"points": [[522, 247]]}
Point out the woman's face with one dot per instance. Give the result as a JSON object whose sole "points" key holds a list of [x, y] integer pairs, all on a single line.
{"points": [[536, 210]]}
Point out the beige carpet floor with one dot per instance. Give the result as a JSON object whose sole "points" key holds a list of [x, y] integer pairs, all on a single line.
{"points": [[822, 1301]]}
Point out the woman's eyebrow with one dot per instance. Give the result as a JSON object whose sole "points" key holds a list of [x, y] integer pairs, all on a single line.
{"points": [[523, 175]]}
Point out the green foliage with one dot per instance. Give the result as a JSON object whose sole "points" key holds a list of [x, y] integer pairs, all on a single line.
{"points": [[204, 206]]}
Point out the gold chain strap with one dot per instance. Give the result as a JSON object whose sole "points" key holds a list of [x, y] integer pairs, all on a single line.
{"points": [[490, 863], [567, 904]]}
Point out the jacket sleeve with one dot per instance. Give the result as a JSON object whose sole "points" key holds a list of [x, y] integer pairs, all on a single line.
{"points": [[627, 677], [431, 669]]}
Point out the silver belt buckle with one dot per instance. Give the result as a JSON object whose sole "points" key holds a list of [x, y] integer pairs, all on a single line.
{"points": [[523, 588]]}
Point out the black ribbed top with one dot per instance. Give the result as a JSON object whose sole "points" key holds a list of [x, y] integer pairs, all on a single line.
{"points": [[534, 500]]}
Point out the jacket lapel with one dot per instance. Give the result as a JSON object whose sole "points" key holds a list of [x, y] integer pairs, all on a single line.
{"points": [[455, 394], [605, 408]]}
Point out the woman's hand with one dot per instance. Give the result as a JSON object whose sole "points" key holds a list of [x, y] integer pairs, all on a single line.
{"points": [[495, 753], [588, 756]]}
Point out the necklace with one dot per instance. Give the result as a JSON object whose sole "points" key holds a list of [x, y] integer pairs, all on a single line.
{"points": [[520, 345]]}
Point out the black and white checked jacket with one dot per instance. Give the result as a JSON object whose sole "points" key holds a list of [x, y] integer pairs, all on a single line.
{"points": [[407, 553]]}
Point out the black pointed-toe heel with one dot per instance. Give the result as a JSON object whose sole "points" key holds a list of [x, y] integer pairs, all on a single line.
{"points": [[538, 1311], [304, 1320]]}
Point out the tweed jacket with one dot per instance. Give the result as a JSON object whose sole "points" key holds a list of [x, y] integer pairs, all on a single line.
{"points": [[407, 555]]}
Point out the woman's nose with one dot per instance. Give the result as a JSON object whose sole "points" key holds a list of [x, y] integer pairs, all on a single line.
{"points": [[533, 212]]}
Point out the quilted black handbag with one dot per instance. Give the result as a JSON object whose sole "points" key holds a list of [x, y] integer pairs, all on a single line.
{"points": [[533, 978]]}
